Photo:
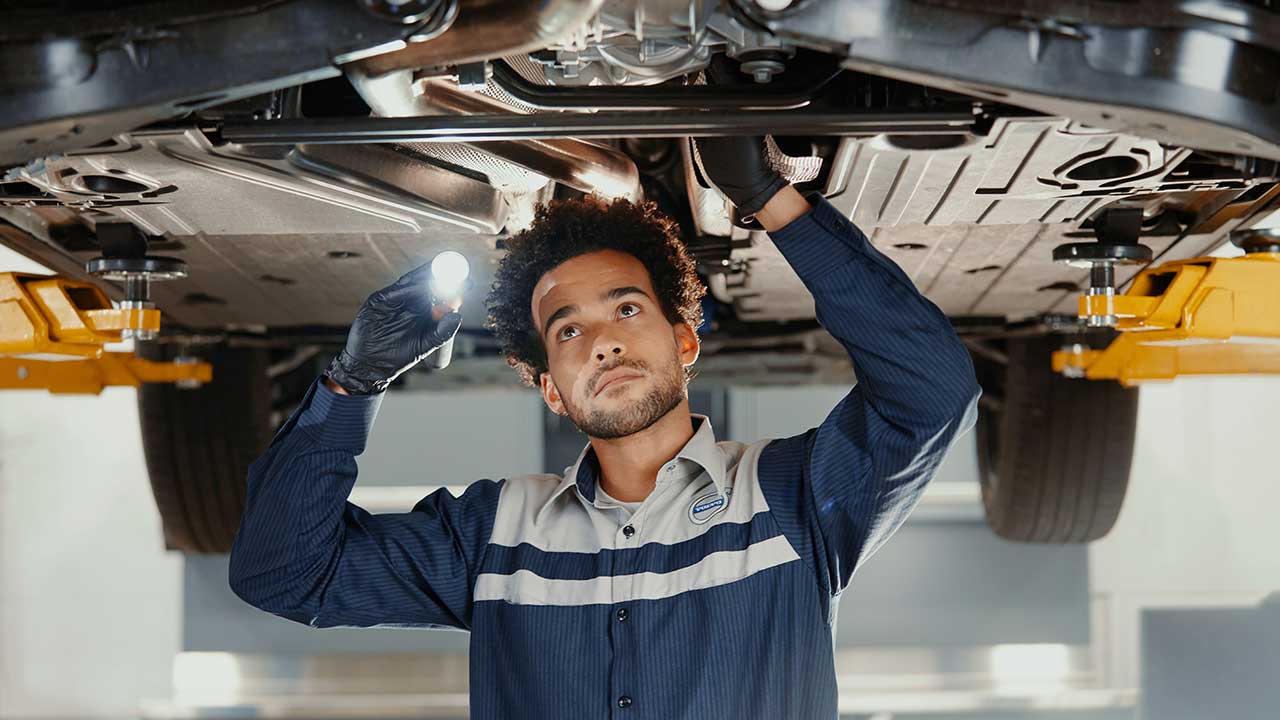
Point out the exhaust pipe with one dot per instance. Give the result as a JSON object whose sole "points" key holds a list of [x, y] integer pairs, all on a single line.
{"points": [[579, 164], [486, 29]]}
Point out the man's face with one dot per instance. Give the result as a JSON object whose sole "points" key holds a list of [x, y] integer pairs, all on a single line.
{"points": [[616, 364]]}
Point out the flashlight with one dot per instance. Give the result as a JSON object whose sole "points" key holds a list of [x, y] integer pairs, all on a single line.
{"points": [[449, 271]]}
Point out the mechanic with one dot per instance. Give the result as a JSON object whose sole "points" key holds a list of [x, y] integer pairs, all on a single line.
{"points": [[666, 574]]}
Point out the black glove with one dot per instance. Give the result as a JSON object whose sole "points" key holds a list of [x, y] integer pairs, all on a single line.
{"points": [[738, 166], [392, 332]]}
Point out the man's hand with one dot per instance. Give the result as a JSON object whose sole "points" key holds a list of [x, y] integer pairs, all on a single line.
{"points": [[738, 166], [393, 331]]}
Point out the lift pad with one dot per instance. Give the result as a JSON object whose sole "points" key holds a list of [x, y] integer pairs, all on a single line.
{"points": [[1203, 316], [52, 333]]}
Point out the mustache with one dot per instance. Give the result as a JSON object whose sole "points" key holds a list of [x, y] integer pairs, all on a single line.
{"points": [[625, 362]]}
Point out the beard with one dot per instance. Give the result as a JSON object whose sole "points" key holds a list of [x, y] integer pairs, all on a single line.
{"points": [[611, 424]]}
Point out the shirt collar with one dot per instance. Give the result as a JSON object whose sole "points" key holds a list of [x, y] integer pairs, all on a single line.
{"points": [[701, 450]]}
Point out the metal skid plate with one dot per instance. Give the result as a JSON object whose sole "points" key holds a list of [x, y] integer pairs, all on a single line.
{"points": [[975, 224], [1045, 170], [298, 236], [292, 237]]}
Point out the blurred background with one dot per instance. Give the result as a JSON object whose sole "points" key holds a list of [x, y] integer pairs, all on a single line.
{"points": [[1166, 617]]}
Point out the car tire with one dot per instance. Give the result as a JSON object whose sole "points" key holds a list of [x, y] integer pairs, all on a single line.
{"points": [[199, 444], [1054, 453]]}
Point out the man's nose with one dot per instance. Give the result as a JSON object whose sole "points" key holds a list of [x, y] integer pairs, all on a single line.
{"points": [[608, 347]]}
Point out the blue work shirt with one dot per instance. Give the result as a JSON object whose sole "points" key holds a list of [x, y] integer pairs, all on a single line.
{"points": [[716, 599]]}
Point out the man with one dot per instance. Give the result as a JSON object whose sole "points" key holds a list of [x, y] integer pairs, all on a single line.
{"points": [[665, 575]]}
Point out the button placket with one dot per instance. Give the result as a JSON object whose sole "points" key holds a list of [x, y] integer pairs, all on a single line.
{"points": [[616, 634], [620, 632]]}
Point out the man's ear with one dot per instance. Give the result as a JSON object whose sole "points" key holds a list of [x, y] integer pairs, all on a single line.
{"points": [[551, 394], [687, 343]]}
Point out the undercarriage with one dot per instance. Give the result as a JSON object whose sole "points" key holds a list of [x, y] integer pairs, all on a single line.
{"points": [[291, 157]]}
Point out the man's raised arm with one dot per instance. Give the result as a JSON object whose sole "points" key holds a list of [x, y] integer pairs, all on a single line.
{"points": [[304, 552], [865, 467], [841, 489]]}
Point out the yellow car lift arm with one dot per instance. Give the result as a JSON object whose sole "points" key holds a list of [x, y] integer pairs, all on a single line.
{"points": [[1203, 316], [52, 333]]}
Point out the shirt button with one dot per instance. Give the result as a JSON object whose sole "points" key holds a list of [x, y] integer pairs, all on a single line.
{"points": [[628, 531], [622, 614], [624, 702]]}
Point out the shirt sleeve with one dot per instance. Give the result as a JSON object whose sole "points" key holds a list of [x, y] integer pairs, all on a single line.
{"points": [[841, 489], [304, 553]]}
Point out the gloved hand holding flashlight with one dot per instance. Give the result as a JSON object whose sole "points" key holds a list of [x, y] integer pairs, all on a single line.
{"points": [[400, 325]]}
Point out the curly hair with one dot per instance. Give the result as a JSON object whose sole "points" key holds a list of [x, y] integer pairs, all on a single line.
{"points": [[565, 229]]}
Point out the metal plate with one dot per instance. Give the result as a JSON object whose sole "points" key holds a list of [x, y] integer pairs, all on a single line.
{"points": [[975, 225], [294, 238], [289, 238]]}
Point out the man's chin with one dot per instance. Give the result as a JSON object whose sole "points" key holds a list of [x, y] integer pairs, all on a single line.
{"points": [[619, 417], [626, 408]]}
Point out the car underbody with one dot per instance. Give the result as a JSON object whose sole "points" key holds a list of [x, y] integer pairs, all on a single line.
{"points": [[295, 155], [967, 190]]}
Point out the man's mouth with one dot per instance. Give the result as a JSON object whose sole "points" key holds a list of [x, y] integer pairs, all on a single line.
{"points": [[613, 377]]}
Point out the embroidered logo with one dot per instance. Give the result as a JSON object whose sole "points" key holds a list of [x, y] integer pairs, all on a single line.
{"points": [[705, 507]]}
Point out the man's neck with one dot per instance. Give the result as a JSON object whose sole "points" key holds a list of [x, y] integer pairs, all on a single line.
{"points": [[629, 466]]}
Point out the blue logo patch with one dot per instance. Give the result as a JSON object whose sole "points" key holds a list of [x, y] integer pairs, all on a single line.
{"points": [[705, 507]]}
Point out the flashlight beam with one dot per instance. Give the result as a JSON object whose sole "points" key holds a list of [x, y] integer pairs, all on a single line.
{"points": [[449, 273]]}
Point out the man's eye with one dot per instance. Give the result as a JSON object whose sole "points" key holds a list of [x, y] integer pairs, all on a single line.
{"points": [[628, 310], [567, 332]]}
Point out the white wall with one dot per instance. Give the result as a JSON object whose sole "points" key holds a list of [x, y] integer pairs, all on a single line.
{"points": [[90, 602], [944, 579], [420, 441], [454, 437], [1199, 526], [756, 413]]}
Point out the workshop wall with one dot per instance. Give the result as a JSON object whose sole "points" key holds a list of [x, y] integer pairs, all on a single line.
{"points": [[1198, 528], [945, 581], [421, 440], [90, 602]]}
